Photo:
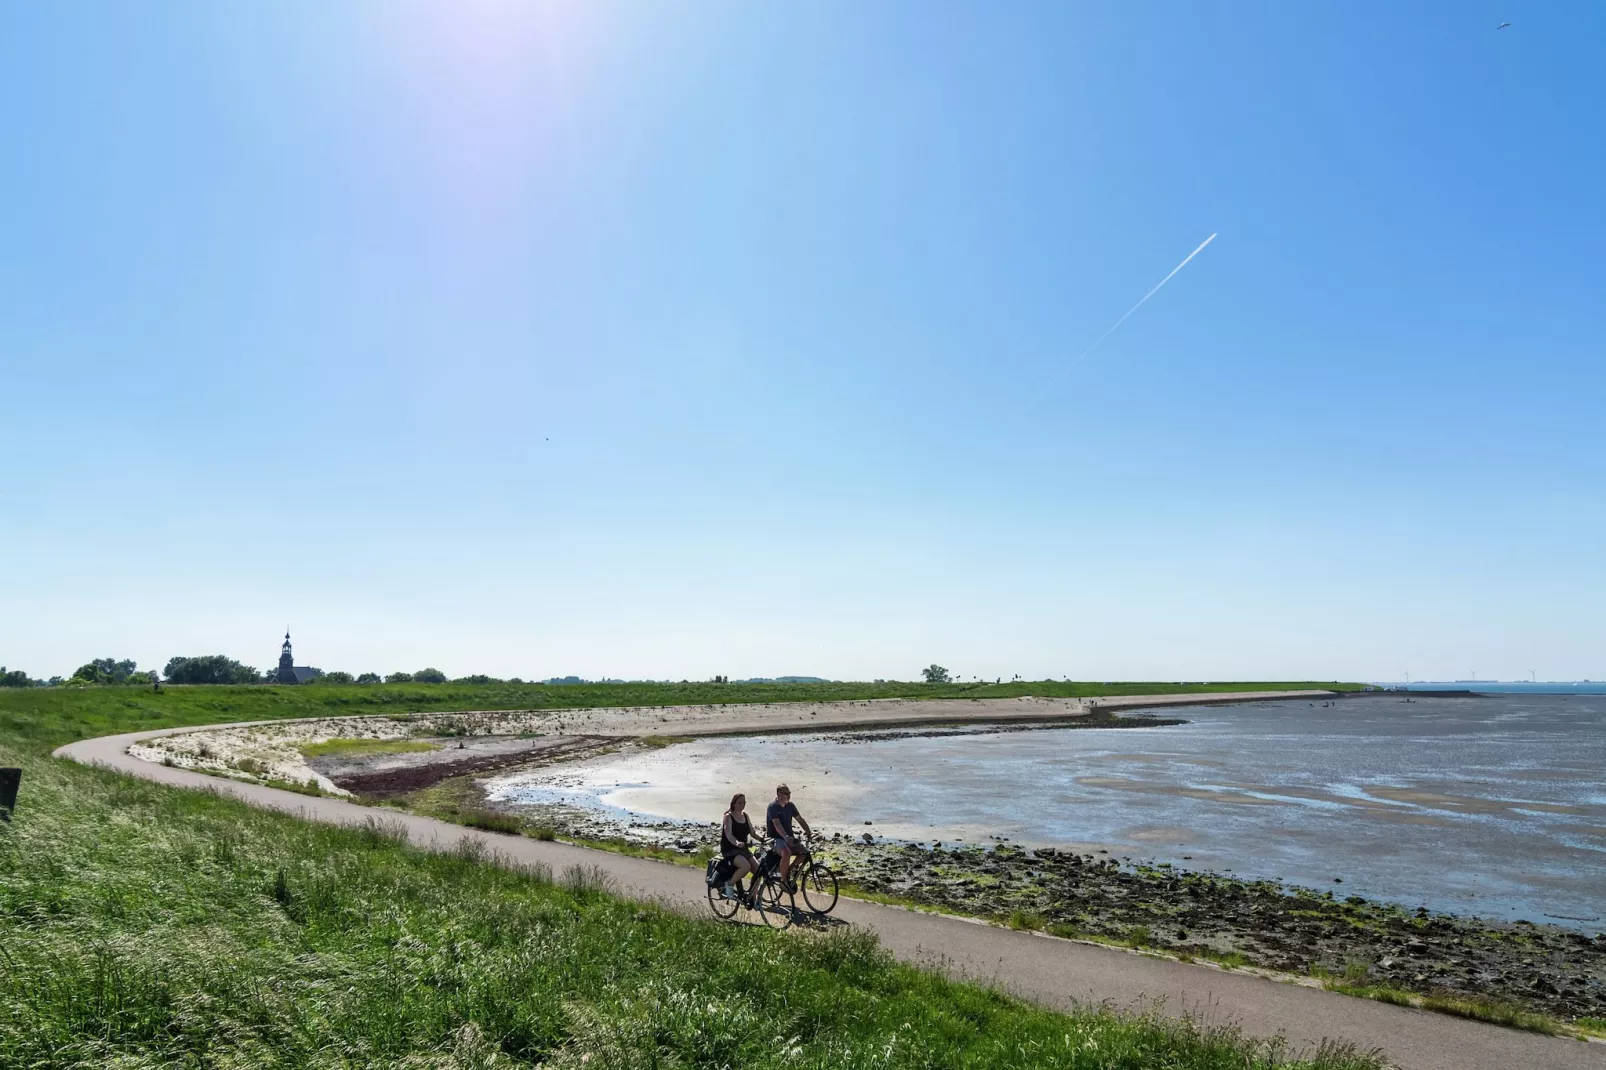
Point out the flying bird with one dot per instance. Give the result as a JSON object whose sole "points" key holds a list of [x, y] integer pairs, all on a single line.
{"points": [[1502, 26]]}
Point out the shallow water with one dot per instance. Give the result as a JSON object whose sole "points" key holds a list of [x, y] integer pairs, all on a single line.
{"points": [[1493, 805]]}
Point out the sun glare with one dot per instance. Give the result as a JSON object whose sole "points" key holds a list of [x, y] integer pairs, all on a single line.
{"points": [[491, 85]]}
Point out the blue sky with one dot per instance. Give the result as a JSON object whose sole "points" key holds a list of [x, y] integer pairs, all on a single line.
{"points": [[674, 340]]}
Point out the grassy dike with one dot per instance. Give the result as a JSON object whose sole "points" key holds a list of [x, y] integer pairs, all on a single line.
{"points": [[142, 926], [63, 714]]}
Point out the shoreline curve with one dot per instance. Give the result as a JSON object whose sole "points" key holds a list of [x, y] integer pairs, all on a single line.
{"points": [[1053, 972]]}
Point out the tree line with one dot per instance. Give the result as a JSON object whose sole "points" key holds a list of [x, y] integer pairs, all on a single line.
{"points": [[222, 669], [101, 671], [218, 669]]}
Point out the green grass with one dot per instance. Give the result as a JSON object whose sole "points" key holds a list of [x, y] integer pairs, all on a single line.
{"points": [[695, 858], [310, 787], [506, 824], [1500, 1012], [1595, 1027], [1230, 960], [147, 927], [353, 747], [1496, 1012], [1381, 993], [59, 715]]}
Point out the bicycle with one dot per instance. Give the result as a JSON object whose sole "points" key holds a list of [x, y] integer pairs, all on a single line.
{"points": [[765, 893], [816, 880]]}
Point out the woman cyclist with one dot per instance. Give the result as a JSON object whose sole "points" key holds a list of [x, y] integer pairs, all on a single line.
{"points": [[733, 837]]}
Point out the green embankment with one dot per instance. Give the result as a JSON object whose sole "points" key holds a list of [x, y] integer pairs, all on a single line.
{"points": [[64, 714], [143, 926]]}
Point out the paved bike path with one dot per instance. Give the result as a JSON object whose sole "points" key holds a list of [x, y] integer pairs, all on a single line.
{"points": [[1055, 973]]}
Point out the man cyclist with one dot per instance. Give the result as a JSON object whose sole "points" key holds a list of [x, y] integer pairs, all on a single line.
{"points": [[778, 822]]}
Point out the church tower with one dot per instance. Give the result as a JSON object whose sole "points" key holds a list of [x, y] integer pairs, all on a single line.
{"points": [[287, 664]]}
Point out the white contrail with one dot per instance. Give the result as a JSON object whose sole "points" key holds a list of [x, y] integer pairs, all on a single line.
{"points": [[1146, 296]]}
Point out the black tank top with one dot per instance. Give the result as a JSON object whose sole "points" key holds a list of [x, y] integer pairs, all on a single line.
{"points": [[739, 832]]}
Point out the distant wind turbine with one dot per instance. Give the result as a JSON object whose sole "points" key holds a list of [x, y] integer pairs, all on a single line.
{"points": [[1145, 297]]}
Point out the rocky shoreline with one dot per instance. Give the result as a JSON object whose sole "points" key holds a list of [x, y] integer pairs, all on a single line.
{"points": [[1345, 941]]}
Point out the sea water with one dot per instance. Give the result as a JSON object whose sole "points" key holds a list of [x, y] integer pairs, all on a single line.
{"points": [[1492, 805]]}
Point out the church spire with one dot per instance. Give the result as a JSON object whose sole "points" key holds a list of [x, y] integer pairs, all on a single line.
{"points": [[287, 663]]}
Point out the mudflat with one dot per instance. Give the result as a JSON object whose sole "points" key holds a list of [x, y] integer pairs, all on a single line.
{"points": [[271, 751]]}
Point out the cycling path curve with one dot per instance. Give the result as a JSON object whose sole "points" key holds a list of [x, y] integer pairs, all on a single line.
{"points": [[1043, 969]]}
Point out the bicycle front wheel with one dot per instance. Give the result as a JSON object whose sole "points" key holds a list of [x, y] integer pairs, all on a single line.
{"points": [[819, 887], [775, 904]]}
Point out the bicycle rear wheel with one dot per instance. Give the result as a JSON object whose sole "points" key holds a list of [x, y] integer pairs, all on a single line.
{"points": [[819, 887], [775, 904], [723, 908]]}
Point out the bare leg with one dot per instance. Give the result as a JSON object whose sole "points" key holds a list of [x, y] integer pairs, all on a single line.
{"points": [[743, 868]]}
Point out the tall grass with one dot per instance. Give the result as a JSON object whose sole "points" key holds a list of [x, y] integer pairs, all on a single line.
{"points": [[491, 821], [146, 927]]}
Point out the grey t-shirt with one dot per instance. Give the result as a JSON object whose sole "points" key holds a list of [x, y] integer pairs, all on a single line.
{"points": [[782, 815]]}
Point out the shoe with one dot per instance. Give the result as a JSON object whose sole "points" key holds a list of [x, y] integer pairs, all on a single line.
{"points": [[726, 892]]}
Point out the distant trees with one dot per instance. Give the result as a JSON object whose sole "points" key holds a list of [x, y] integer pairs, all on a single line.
{"points": [[16, 678], [222, 669], [422, 676], [109, 671], [210, 669], [936, 674]]}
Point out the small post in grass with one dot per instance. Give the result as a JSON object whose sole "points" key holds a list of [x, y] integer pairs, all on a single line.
{"points": [[10, 780]]}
